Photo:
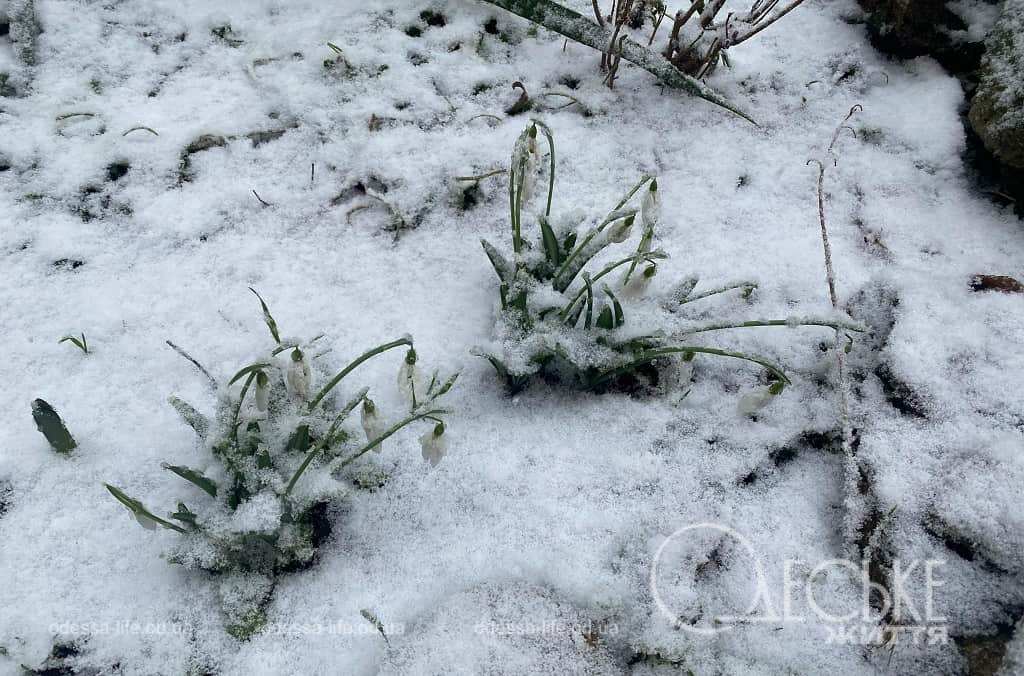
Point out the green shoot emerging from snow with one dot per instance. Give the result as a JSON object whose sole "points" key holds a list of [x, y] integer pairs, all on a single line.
{"points": [[279, 448], [565, 323], [78, 342], [51, 426]]}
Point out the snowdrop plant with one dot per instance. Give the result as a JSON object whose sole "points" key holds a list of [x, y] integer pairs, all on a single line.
{"points": [[280, 443], [563, 322]]}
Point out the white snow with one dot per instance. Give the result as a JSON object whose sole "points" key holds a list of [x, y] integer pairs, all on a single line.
{"points": [[549, 506]]}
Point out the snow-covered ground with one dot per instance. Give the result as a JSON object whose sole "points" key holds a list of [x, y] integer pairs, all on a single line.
{"points": [[530, 547]]}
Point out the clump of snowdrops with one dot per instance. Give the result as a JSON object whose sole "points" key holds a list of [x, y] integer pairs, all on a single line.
{"points": [[563, 322], [281, 441]]}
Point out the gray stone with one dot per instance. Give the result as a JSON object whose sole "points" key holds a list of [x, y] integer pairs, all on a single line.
{"points": [[997, 112]]}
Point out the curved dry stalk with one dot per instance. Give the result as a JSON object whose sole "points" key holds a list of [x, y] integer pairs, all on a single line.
{"points": [[851, 470], [141, 127]]}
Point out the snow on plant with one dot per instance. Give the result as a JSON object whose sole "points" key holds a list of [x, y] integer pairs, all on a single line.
{"points": [[612, 45], [560, 321], [258, 518]]}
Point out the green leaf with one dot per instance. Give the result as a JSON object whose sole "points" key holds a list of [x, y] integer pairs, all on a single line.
{"points": [[251, 368], [139, 511], [445, 387], [372, 619], [52, 427], [80, 343], [193, 476], [551, 250], [605, 320], [271, 324], [575, 26], [299, 441], [589, 312], [185, 515], [501, 265], [196, 420], [619, 317]]}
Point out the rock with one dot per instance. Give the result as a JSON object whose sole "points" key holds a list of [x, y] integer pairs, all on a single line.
{"points": [[999, 283], [997, 112], [910, 28]]}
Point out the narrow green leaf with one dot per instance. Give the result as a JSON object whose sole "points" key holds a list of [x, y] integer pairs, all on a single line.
{"points": [[589, 312], [271, 324], [185, 515], [251, 368], [501, 265], [445, 387], [551, 250], [299, 441], [372, 619], [139, 511], [52, 427], [196, 420], [189, 474], [605, 320]]}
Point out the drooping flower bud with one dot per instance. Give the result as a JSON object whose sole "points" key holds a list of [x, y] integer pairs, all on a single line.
{"points": [[262, 392], [638, 282], [650, 205], [298, 375], [619, 231], [373, 424], [410, 378], [529, 178], [757, 399], [434, 444]]}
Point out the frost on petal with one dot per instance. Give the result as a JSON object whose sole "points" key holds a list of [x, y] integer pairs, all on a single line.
{"points": [[298, 376], [650, 206], [410, 381]]}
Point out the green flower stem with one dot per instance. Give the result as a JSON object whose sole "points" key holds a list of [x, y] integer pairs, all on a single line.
{"points": [[551, 173], [608, 269], [833, 323], [720, 289], [651, 355], [241, 400], [326, 440], [348, 369], [611, 217], [430, 415]]}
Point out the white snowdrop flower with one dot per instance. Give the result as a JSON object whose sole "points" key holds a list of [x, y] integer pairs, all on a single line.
{"points": [[410, 378], [298, 376], [638, 282], [650, 205], [262, 392], [619, 231], [373, 423], [754, 401], [434, 444]]}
